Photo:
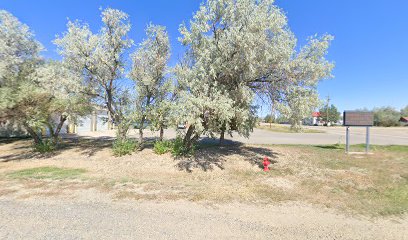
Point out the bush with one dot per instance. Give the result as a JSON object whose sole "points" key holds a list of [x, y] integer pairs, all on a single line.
{"points": [[176, 147], [180, 150], [45, 146], [162, 147], [123, 147], [386, 117]]}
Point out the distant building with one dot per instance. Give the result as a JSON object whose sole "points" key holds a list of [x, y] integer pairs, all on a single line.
{"points": [[404, 120], [315, 119], [97, 121]]}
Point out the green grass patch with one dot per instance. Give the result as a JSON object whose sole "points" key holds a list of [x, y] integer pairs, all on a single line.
{"points": [[396, 200], [361, 147], [53, 173]]}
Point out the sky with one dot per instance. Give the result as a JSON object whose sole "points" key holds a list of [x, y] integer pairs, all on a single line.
{"points": [[370, 49]]}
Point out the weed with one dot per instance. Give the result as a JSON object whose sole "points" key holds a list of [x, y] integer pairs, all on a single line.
{"points": [[179, 150], [162, 147], [45, 146], [124, 147]]}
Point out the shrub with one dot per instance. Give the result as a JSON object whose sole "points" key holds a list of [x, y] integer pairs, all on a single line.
{"points": [[123, 147], [180, 150], [162, 147], [386, 117], [45, 146], [176, 147]]}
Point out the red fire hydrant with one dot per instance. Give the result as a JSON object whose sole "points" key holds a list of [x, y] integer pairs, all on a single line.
{"points": [[266, 164]]}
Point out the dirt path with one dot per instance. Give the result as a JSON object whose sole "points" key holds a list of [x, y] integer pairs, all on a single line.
{"points": [[88, 218]]}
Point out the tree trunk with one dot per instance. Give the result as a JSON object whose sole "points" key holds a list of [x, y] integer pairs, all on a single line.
{"points": [[222, 137], [141, 132], [58, 129], [37, 139], [141, 127], [161, 133], [140, 137], [122, 131], [188, 138]]}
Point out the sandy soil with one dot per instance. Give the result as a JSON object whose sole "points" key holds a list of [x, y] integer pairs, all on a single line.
{"points": [[226, 196], [94, 217]]}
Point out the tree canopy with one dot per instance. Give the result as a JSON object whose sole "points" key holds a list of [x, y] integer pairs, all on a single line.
{"points": [[234, 51], [329, 114], [99, 58], [149, 73]]}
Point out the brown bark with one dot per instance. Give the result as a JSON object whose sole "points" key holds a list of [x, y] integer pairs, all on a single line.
{"points": [[58, 129], [161, 133], [140, 137], [222, 137], [122, 132], [37, 139], [141, 131], [141, 127], [190, 138]]}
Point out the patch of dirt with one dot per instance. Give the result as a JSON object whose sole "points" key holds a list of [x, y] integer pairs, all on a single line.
{"points": [[282, 183], [215, 175]]}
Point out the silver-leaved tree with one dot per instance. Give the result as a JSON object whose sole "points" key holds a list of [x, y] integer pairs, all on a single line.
{"points": [[149, 72], [99, 58], [34, 93], [236, 49]]}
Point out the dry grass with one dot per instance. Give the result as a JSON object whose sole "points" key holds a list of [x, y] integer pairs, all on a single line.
{"points": [[372, 185], [285, 129]]}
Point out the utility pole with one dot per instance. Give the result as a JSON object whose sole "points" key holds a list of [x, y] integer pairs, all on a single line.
{"points": [[327, 110]]}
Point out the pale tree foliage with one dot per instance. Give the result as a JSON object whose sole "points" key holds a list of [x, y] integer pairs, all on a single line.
{"points": [[149, 74], [19, 50], [35, 93], [404, 111], [68, 98], [21, 99], [99, 58], [298, 104], [161, 112], [233, 47], [298, 98]]}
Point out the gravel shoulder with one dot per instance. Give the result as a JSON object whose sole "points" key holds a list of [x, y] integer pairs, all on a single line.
{"points": [[88, 218], [311, 192]]}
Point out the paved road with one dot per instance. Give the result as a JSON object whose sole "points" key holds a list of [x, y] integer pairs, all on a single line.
{"points": [[332, 135], [60, 219]]}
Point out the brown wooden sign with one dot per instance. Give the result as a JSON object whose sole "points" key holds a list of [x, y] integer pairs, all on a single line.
{"points": [[358, 118]]}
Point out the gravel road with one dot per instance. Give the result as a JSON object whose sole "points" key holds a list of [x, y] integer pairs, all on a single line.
{"points": [[86, 219]]}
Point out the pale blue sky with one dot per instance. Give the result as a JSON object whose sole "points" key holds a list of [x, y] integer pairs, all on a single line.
{"points": [[370, 47]]}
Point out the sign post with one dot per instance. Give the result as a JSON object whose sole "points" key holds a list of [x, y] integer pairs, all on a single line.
{"points": [[367, 139], [358, 119], [347, 139]]}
